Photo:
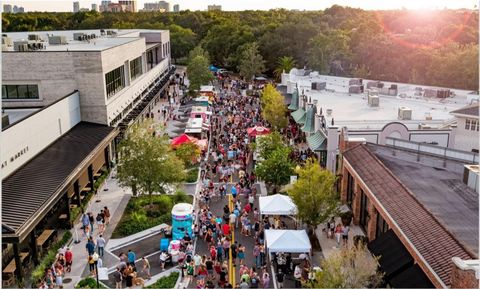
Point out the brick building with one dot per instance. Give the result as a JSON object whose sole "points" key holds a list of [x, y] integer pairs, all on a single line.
{"points": [[416, 211]]}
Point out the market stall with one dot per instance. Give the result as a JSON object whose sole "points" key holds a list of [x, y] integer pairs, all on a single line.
{"points": [[277, 204]]}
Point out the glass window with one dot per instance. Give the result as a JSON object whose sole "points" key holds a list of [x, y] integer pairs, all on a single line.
{"points": [[135, 68], [350, 188], [467, 124], [382, 226], [363, 210], [22, 91], [474, 124], [115, 80]]}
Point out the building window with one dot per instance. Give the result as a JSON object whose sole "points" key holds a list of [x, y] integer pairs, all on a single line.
{"points": [[467, 124], [23, 91], [135, 68], [363, 210], [474, 125], [350, 188], [382, 226], [115, 80]]}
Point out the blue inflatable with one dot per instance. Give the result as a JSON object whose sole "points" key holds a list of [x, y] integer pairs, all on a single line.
{"points": [[182, 220]]}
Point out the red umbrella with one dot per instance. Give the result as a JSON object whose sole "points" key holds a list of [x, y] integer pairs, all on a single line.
{"points": [[182, 139], [258, 130]]}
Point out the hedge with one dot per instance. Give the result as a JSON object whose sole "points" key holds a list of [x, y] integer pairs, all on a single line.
{"points": [[89, 283], [47, 261], [166, 282]]}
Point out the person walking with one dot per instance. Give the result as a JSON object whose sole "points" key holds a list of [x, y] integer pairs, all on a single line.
{"points": [[100, 245], [85, 224], [266, 280], [345, 231], [131, 257], [146, 267], [106, 212], [90, 246], [68, 260], [118, 278], [280, 278]]}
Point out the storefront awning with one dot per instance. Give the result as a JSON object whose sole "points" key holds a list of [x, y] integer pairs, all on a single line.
{"points": [[299, 116], [310, 119], [294, 102], [317, 142], [32, 190]]}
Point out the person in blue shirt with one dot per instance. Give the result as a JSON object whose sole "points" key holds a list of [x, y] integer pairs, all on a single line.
{"points": [[85, 223], [90, 247], [234, 191], [131, 257]]}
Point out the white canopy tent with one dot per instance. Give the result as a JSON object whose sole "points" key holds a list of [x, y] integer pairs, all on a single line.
{"points": [[277, 204], [288, 241]]}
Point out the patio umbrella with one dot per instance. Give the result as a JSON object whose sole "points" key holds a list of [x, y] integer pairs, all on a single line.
{"points": [[258, 130]]}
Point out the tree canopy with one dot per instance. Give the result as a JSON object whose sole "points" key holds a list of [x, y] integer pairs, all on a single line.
{"points": [[198, 72], [273, 108], [314, 193], [147, 163], [252, 62], [438, 48]]}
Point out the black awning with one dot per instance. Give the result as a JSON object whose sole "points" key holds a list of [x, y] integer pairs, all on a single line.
{"points": [[412, 277], [35, 187], [393, 255]]}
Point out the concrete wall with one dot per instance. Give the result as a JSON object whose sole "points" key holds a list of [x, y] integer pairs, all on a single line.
{"points": [[51, 71], [25, 139], [465, 140]]}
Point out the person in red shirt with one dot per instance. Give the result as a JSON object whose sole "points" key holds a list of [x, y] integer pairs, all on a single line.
{"points": [[213, 252], [247, 208], [226, 229], [68, 259]]}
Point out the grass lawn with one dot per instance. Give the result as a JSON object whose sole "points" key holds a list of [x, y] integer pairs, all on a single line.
{"points": [[139, 215], [166, 282]]}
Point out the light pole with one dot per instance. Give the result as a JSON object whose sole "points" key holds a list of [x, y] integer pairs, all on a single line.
{"points": [[95, 260]]}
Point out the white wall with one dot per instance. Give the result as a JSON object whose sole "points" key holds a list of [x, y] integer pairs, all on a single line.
{"points": [[465, 140], [30, 136]]}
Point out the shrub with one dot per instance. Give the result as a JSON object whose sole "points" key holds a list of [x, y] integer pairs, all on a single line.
{"points": [[179, 197], [192, 175], [88, 283], [166, 282], [39, 271]]}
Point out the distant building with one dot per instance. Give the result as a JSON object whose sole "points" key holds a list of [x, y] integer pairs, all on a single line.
{"points": [[214, 7], [18, 9], [7, 8], [176, 8], [76, 7], [466, 133], [161, 6], [104, 5], [121, 6], [128, 5], [94, 7]]}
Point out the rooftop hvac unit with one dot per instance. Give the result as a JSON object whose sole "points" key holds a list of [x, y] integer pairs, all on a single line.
{"points": [[34, 37], [7, 41], [443, 93], [355, 81], [93, 36], [78, 36], [372, 84], [372, 92], [355, 89], [373, 100], [20, 45], [319, 85], [430, 92], [404, 113], [57, 39]]}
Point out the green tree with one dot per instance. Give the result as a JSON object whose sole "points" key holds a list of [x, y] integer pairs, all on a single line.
{"points": [[354, 267], [266, 144], [198, 51], [273, 107], [182, 41], [147, 163], [314, 194], [284, 64], [198, 72], [252, 62], [276, 168], [188, 152], [329, 51]]}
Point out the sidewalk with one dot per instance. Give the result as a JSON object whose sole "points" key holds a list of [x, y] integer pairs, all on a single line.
{"points": [[116, 200]]}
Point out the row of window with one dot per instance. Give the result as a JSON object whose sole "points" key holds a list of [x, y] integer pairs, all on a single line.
{"points": [[23, 91], [382, 225], [115, 79], [471, 124]]}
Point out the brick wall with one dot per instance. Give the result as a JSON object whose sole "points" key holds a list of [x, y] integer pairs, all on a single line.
{"points": [[462, 277]]}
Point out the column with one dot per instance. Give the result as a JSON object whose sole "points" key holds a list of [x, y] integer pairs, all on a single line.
{"points": [[67, 212], [90, 176], [33, 246], [18, 262], [344, 185], [356, 204], [372, 221], [106, 152], [76, 188]]}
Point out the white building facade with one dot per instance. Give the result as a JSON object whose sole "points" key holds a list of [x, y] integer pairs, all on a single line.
{"points": [[466, 132]]}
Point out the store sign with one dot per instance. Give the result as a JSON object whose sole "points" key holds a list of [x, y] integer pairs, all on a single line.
{"points": [[15, 156]]}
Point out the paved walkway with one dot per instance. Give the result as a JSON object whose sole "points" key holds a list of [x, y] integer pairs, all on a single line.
{"points": [[330, 245]]}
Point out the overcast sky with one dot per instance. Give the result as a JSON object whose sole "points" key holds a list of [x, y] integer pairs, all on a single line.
{"points": [[62, 5]]}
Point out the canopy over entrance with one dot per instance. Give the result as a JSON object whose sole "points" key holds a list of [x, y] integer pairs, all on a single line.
{"points": [[277, 204], [288, 241]]}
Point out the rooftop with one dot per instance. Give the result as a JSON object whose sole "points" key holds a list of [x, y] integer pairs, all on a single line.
{"points": [[422, 228], [470, 110], [352, 110], [437, 184], [15, 115], [99, 43]]}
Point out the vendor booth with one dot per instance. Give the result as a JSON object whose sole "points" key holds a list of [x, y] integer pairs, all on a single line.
{"points": [[277, 204], [287, 241], [181, 220]]}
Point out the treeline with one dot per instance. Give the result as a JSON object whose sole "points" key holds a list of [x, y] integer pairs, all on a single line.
{"points": [[437, 48]]}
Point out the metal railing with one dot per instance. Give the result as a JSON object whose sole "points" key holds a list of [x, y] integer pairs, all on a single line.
{"points": [[444, 152]]}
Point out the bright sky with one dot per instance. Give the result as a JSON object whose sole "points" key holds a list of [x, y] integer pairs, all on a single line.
{"points": [[62, 5]]}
